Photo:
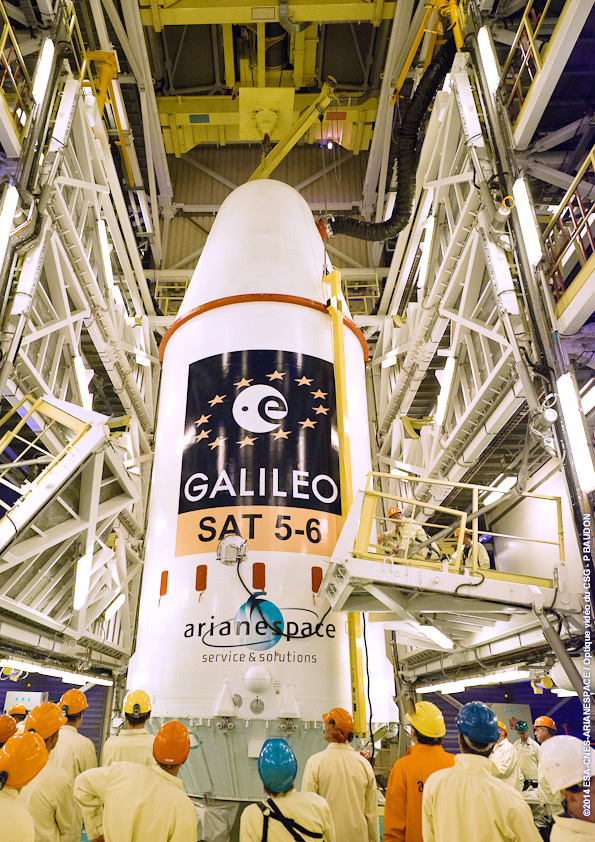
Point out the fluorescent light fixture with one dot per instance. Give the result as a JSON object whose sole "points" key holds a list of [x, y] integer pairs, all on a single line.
{"points": [[390, 205], [527, 220], [564, 694], [509, 676], [447, 378], [105, 253], [389, 361], [504, 486], [83, 580], [142, 359], [435, 635], [426, 249], [577, 434], [66, 676], [10, 201], [491, 68], [588, 399], [43, 70], [114, 606], [81, 376]]}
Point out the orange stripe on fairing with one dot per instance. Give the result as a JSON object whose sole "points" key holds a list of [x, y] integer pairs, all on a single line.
{"points": [[260, 296]]}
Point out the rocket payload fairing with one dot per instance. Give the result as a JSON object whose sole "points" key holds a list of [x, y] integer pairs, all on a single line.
{"points": [[247, 444]]}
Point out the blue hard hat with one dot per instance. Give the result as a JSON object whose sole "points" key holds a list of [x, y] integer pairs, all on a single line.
{"points": [[478, 722], [277, 765]]}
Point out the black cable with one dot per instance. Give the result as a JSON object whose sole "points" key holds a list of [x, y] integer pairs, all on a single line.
{"points": [[470, 584], [276, 629], [368, 678]]}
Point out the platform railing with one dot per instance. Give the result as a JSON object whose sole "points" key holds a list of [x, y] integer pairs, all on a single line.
{"points": [[445, 553], [15, 82], [569, 238]]}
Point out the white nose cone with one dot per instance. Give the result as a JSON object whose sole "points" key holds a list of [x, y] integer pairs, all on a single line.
{"points": [[263, 240]]}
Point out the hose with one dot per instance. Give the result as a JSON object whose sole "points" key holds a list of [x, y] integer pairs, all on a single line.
{"points": [[406, 157]]}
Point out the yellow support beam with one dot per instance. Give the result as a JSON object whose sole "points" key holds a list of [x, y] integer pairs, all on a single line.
{"points": [[354, 622], [228, 56], [308, 118], [260, 49]]}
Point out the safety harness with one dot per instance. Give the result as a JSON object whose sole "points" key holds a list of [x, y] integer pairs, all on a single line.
{"points": [[271, 811]]}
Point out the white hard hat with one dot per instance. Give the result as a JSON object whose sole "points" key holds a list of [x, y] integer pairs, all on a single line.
{"points": [[564, 762]]}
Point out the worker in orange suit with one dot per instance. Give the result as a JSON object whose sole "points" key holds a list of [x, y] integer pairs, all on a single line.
{"points": [[402, 811]]}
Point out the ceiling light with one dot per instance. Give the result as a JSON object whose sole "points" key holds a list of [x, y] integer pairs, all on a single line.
{"points": [[142, 359], [564, 694], [434, 634], [390, 204], [502, 487], [82, 581], [588, 399], [426, 250], [10, 201], [577, 434], [42, 71], [81, 377], [105, 253], [65, 675], [329, 144], [491, 68], [506, 677], [527, 220], [390, 360], [447, 378], [114, 606]]}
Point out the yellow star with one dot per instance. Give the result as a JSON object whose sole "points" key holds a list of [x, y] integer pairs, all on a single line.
{"points": [[216, 399], [281, 434], [204, 434], [218, 441], [202, 420], [320, 395], [243, 382], [308, 423], [246, 441], [321, 410], [303, 381], [276, 375]]}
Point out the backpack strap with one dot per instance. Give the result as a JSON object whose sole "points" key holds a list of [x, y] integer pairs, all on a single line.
{"points": [[265, 821], [293, 828]]}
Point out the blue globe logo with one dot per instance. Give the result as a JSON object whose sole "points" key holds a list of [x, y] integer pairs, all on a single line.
{"points": [[259, 623]]}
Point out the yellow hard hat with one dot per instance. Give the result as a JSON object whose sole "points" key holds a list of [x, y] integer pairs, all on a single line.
{"points": [[503, 726], [73, 702], [21, 758], [137, 703], [45, 720], [428, 720]]}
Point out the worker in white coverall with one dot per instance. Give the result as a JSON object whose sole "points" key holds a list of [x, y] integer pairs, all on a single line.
{"points": [[568, 764], [483, 559], [549, 803], [403, 534], [75, 753], [22, 757], [505, 760], [346, 780], [127, 802], [467, 803], [19, 714], [134, 743], [287, 815], [527, 753], [49, 797]]}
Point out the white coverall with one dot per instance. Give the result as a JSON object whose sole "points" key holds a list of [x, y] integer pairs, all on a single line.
{"points": [[483, 559], [550, 804], [505, 760], [16, 825], [346, 780], [21, 727], [572, 830], [127, 802], [397, 534], [48, 798], [306, 808], [528, 756], [73, 752], [468, 804], [134, 745]]}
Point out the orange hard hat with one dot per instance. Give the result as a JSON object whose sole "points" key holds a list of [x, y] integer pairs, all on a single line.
{"points": [[545, 722], [8, 727], [45, 720], [172, 743], [394, 511], [21, 758], [341, 719], [20, 710], [73, 702], [458, 532]]}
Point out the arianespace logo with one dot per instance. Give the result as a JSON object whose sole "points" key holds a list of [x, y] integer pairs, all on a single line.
{"points": [[259, 624]]}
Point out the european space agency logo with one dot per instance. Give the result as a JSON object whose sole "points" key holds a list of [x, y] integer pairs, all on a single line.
{"points": [[260, 453]]}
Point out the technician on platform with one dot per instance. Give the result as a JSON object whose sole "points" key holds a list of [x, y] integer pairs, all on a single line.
{"points": [[402, 811], [527, 752], [467, 803], [570, 772], [133, 743], [19, 714], [48, 798], [397, 534], [505, 760], [127, 802], [74, 752], [21, 758], [286, 814], [483, 559], [346, 780]]}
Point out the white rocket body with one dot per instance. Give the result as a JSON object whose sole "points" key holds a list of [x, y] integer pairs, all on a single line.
{"points": [[234, 452]]}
